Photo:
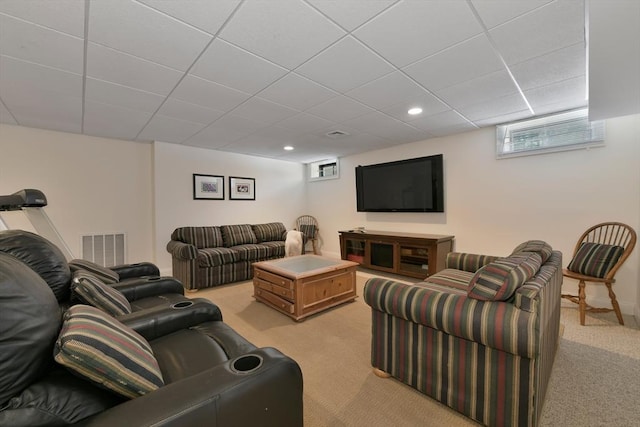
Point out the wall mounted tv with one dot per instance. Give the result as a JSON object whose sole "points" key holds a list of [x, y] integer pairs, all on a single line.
{"points": [[412, 185]]}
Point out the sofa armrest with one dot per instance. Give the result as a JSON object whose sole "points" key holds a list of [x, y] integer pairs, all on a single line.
{"points": [[182, 250], [468, 262], [162, 320], [139, 269], [269, 396], [496, 324], [144, 287]]}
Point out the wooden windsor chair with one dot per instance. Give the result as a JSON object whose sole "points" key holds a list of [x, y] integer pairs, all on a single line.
{"points": [[308, 225]]}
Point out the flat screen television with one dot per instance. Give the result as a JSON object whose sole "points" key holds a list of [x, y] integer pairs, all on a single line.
{"points": [[412, 185]]}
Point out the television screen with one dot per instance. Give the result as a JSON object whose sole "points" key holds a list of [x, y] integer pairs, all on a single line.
{"points": [[413, 185]]}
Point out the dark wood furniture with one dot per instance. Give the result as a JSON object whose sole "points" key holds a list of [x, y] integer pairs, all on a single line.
{"points": [[408, 254]]}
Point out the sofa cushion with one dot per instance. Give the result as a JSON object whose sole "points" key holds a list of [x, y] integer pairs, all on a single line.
{"points": [[276, 248], [103, 273], [595, 259], [213, 257], [497, 281], [200, 237], [269, 232], [240, 234], [538, 246], [253, 252], [91, 290], [98, 347]]}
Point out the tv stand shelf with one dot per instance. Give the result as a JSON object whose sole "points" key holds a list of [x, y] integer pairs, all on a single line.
{"points": [[408, 254]]}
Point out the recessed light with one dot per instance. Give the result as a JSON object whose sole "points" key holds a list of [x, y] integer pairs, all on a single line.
{"points": [[414, 111], [288, 147]]}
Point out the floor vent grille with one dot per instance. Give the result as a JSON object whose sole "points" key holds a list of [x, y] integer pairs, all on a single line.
{"points": [[106, 250]]}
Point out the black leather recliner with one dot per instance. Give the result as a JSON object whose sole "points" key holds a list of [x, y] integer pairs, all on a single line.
{"points": [[212, 375]]}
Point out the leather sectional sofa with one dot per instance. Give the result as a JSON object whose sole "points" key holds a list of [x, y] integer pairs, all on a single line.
{"points": [[479, 336], [171, 363], [208, 256]]}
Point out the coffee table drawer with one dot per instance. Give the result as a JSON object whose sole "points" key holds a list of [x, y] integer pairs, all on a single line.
{"points": [[274, 279], [270, 287], [275, 300]]}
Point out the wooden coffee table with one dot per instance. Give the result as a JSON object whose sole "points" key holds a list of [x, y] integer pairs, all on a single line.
{"points": [[303, 285]]}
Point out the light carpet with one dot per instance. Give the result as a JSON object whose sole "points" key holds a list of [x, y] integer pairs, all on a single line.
{"points": [[595, 379]]}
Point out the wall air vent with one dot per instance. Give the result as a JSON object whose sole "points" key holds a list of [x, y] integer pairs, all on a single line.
{"points": [[106, 250], [336, 134]]}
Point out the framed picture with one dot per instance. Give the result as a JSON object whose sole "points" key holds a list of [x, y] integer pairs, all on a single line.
{"points": [[242, 188], [208, 187]]}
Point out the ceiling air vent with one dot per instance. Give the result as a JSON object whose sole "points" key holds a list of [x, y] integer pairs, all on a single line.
{"points": [[336, 134]]}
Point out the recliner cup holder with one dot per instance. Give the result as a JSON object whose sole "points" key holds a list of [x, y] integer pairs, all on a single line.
{"points": [[182, 304], [246, 364]]}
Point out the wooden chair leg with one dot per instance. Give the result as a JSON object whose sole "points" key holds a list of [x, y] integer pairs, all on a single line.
{"points": [[315, 248], [614, 303], [582, 303]]}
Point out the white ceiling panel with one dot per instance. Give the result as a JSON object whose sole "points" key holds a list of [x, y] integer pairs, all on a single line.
{"points": [[429, 104], [496, 107], [496, 12], [123, 96], [41, 45], [263, 111], [476, 91], [208, 94], [206, 15], [224, 131], [144, 32], [236, 68], [26, 78], [287, 32], [188, 112], [383, 126], [6, 116], [564, 95], [168, 129], [45, 110], [296, 92], [419, 29], [66, 16], [362, 63], [351, 14], [446, 119], [556, 66], [113, 122], [118, 67], [340, 108], [464, 61], [305, 123]]}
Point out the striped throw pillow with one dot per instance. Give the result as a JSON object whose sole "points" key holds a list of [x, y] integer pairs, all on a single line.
{"points": [[103, 273], [497, 281], [91, 290], [240, 234], [539, 246], [595, 259], [96, 346]]}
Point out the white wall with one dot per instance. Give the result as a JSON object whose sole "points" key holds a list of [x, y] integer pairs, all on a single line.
{"points": [[92, 185], [493, 205], [280, 192]]}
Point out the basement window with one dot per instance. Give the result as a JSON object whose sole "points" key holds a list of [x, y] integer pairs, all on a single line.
{"points": [[570, 130], [324, 169]]}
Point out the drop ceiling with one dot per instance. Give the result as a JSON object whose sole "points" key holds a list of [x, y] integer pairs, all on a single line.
{"points": [[253, 76]]}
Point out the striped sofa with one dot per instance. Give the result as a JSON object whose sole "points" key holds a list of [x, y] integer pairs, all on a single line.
{"points": [[464, 340], [208, 256]]}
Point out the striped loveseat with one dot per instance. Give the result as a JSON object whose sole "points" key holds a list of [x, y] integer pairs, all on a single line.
{"points": [[208, 256], [480, 336]]}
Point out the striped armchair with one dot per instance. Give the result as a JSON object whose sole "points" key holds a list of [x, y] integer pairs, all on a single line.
{"points": [[480, 336]]}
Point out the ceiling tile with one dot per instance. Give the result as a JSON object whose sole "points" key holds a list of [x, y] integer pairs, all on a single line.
{"points": [[181, 110], [410, 31], [113, 122], [351, 14], [559, 96], [111, 93], [287, 32], [328, 67], [224, 131], [446, 119], [544, 30], [464, 61], [305, 123], [496, 12], [505, 118], [5, 115], [296, 92], [168, 129], [495, 107], [66, 16], [340, 108], [208, 94], [429, 104], [206, 15], [236, 68], [558, 65], [144, 32], [117, 67], [263, 111], [478, 90], [28, 78], [34, 43], [45, 110], [384, 126]]}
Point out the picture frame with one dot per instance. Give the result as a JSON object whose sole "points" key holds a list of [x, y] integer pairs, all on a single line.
{"points": [[208, 187], [242, 188]]}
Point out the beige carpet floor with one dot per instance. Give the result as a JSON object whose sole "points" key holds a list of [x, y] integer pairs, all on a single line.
{"points": [[595, 379]]}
